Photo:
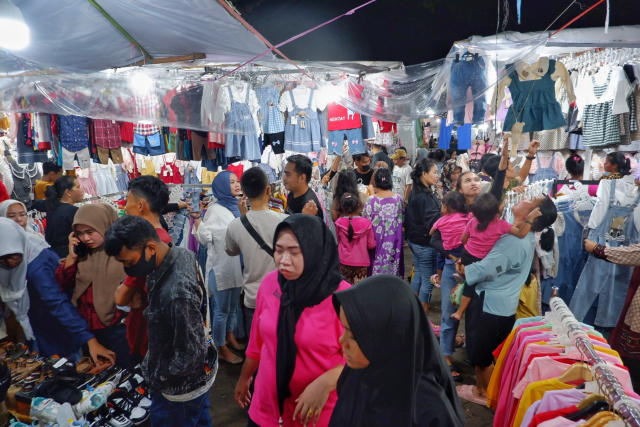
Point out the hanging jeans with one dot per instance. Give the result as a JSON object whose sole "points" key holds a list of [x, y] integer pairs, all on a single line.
{"points": [[544, 173], [465, 75], [425, 259], [225, 313], [604, 280], [572, 256], [448, 325]]}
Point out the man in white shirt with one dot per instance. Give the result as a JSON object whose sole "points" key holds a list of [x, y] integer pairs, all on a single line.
{"points": [[257, 261], [401, 174]]}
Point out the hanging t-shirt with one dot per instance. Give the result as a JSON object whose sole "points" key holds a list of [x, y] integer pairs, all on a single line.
{"points": [[341, 118]]}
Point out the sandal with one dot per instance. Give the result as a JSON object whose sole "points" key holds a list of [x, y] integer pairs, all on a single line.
{"points": [[237, 347], [234, 361], [453, 369], [434, 282], [436, 328], [466, 392]]}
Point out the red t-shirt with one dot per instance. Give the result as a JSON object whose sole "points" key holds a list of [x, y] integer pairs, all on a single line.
{"points": [[137, 335], [340, 118]]}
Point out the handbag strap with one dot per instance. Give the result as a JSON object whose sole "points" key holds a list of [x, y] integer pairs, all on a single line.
{"points": [[252, 231]]}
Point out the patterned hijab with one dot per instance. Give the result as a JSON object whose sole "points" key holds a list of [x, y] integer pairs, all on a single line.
{"points": [[445, 176]]}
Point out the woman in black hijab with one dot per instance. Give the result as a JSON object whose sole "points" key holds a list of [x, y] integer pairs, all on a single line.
{"points": [[295, 335], [396, 374]]}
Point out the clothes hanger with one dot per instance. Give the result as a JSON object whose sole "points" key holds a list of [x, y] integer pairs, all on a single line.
{"points": [[577, 371], [592, 398]]}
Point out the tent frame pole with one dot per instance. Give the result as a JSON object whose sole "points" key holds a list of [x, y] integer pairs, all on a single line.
{"points": [[113, 22]]}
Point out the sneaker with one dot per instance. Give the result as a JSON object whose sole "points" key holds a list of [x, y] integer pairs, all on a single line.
{"points": [[121, 400]]}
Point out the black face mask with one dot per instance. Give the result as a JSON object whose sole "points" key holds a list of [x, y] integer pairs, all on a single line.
{"points": [[142, 268], [365, 169]]}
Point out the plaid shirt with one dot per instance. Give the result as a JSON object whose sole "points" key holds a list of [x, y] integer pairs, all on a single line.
{"points": [[106, 133], [147, 109]]}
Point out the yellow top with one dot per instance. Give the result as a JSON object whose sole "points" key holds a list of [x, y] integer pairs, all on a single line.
{"points": [[534, 392], [528, 305], [40, 188]]}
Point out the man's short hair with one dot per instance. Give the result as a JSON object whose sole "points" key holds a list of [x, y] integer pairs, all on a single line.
{"points": [[302, 165], [48, 167], [359, 156], [151, 189], [131, 232], [254, 182]]}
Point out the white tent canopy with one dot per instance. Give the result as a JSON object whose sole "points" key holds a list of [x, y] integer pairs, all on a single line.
{"points": [[73, 35]]}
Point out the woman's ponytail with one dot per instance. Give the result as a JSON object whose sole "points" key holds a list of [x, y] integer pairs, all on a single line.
{"points": [[547, 239]]}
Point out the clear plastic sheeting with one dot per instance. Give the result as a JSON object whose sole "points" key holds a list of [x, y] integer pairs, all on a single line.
{"points": [[463, 83], [194, 97]]}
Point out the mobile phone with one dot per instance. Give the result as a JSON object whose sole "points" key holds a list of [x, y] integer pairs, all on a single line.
{"points": [[195, 204], [80, 249]]}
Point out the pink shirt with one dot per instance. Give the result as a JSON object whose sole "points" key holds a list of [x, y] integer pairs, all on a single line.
{"points": [[317, 334], [480, 243], [451, 227]]}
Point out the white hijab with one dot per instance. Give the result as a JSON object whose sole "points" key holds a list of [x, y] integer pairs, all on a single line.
{"points": [[13, 282]]}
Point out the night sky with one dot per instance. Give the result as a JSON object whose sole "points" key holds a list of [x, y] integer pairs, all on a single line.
{"points": [[411, 31]]}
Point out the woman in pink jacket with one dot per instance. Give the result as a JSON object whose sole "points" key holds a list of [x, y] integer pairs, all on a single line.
{"points": [[355, 239]]}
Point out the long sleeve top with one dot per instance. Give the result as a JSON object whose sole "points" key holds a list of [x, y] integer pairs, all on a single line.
{"points": [[423, 210], [501, 274], [56, 323], [213, 233]]}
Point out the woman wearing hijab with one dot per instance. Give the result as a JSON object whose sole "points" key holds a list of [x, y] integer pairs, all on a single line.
{"points": [[93, 277], [449, 177], [224, 272], [48, 319], [421, 153], [295, 333], [396, 374], [16, 211]]}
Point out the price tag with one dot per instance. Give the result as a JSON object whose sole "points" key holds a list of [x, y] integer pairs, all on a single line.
{"points": [[294, 120]]}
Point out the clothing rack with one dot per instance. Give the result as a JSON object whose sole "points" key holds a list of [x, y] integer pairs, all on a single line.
{"points": [[557, 182], [609, 385]]}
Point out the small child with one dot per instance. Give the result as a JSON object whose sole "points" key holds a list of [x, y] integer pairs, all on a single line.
{"points": [[355, 239], [454, 218], [481, 233]]}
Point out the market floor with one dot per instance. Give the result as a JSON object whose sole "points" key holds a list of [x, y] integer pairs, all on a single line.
{"points": [[225, 412]]}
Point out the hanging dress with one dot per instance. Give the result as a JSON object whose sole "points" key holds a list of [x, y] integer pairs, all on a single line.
{"points": [[602, 280], [240, 129], [302, 131], [537, 101]]}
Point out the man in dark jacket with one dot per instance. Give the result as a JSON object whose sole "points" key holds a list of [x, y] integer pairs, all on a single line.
{"points": [[181, 364]]}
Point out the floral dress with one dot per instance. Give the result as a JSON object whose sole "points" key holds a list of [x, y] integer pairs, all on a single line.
{"points": [[387, 216]]}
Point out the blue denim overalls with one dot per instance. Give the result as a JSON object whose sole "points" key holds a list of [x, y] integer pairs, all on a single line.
{"points": [[601, 279], [302, 133], [241, 138]]}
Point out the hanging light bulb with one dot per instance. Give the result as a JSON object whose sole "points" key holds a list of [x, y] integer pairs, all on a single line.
{"points": [[14, 33]]}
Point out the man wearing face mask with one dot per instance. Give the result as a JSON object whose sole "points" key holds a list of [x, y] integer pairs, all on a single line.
{"points": [[181, 364], [362, 163]]}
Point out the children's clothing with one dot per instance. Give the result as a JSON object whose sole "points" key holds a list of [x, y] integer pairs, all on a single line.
{"points": [[480, 243], [450, 226], [355, 252]]}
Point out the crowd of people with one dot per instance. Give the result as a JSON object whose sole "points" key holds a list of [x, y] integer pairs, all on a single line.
{"points": [[336, 336]]}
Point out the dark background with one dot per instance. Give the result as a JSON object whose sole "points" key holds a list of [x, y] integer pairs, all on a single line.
{"points": [[412, 31]]}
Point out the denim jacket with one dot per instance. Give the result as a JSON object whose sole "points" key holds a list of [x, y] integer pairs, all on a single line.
{"points": [[179, 360]]}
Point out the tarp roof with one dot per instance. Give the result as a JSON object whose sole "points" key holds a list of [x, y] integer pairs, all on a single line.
{"points": [[72, 35]]}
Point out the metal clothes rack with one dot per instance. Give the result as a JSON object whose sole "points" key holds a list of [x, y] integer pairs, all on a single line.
{"points": [[557, 182], [609, 385]]}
